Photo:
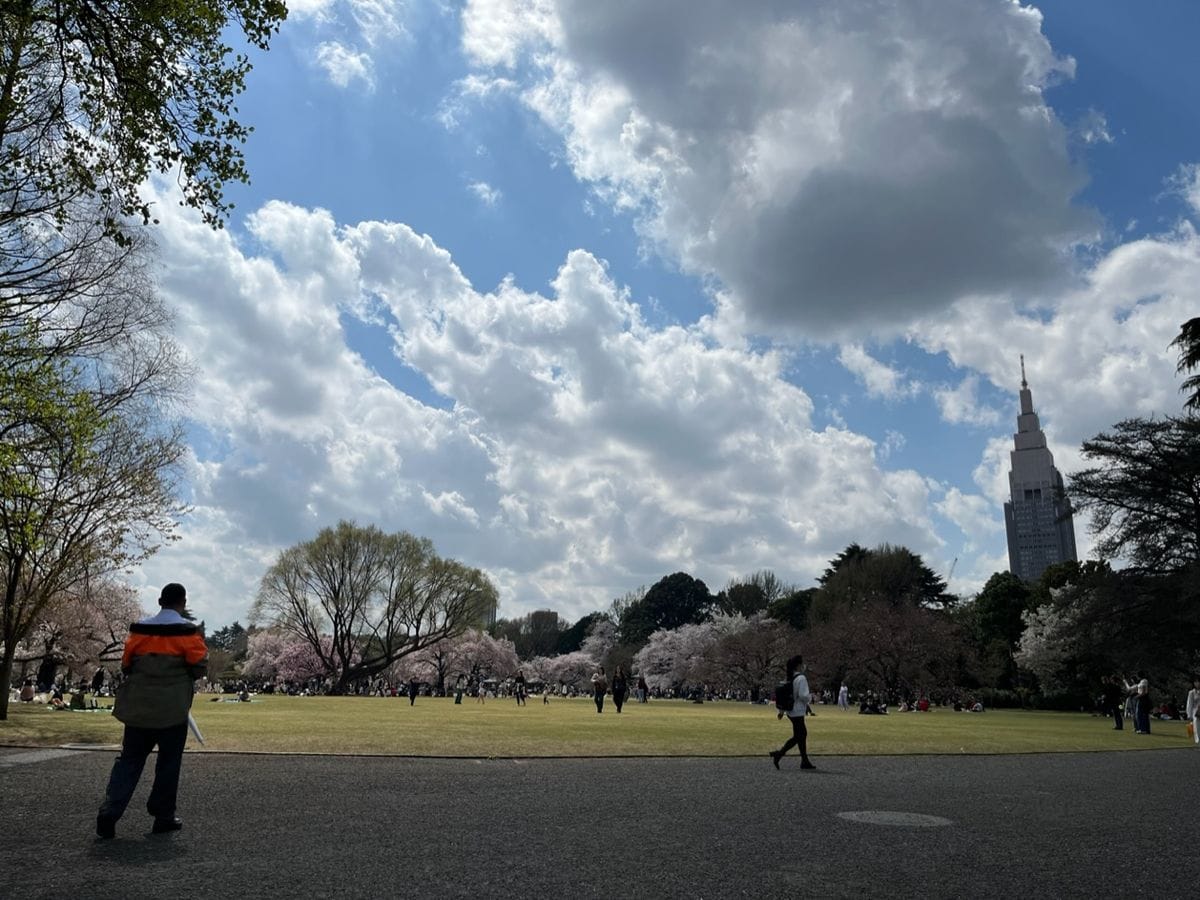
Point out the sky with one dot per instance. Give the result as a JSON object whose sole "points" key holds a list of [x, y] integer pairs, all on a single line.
{"points": [[588, 294]]}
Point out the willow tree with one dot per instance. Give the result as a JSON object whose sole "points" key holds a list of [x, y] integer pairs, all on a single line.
{"points": [[362, 599]]}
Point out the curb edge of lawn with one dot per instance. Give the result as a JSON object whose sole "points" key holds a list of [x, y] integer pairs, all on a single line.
{"points": [[110, 748]]}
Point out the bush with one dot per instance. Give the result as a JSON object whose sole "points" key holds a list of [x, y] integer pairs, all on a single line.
{"points": [[1066, 701], [998, 698]]}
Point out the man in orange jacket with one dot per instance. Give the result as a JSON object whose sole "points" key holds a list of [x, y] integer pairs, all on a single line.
{"points": [[164, 655]]}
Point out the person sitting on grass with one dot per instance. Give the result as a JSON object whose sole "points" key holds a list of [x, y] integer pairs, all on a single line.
{"points": [[871, 706]]}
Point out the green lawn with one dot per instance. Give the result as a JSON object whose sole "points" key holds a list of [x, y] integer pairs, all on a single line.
{"points": [[436, 727]]}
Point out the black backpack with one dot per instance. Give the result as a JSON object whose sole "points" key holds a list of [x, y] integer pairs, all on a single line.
{"points": [[784, 697]]}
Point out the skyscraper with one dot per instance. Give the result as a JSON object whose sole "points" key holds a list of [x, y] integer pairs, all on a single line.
{"points": [[1037, 518]]}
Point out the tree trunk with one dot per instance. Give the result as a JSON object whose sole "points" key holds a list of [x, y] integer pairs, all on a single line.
{"points": [[6, 668], [46, 672]]}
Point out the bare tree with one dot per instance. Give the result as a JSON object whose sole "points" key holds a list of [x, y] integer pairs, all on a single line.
{"points": [[899, 648], [752, 657], [363, 599]]}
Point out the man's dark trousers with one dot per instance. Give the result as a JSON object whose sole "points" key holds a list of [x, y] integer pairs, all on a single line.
{"points": [[126, 771]]}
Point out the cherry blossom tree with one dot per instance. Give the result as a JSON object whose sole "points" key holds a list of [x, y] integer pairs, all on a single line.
{"points": [[81, 629], [300, 661], [675, 657], [570, 669], [601, 639], [276, 655], [1051, 643], [263, 650], [479, 655]]}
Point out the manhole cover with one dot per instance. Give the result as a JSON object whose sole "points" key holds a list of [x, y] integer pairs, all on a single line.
{"points": [[898, 819]]}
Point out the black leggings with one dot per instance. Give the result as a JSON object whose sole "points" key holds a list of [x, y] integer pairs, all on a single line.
{"points": [[799, 737]]}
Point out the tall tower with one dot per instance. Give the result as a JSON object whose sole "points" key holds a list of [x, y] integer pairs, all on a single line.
{"points": [[1037, 518]]}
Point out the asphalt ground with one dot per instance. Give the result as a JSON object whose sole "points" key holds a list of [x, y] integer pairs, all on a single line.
{"points": [[1034, 826]]}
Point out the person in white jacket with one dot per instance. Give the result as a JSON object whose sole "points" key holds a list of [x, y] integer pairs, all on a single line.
{"points": [[801, 698], [1193, 709]]}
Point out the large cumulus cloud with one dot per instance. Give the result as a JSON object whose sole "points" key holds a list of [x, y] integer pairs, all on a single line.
{"points": [[837, 167], [583, 452]]}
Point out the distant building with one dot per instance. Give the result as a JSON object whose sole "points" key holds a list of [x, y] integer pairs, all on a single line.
{"points": [[1041, 529]]}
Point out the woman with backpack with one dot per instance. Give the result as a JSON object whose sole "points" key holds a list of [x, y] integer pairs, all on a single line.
{"points": [[801, 697]]}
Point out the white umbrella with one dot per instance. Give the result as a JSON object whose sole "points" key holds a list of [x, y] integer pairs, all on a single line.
{"points": [[195, 729]]}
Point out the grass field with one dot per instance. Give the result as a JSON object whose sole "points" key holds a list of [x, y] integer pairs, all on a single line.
{"points": [[436, 727]]}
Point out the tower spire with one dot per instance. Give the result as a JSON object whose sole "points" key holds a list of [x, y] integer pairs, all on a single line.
{"points": [[1037, 519]]}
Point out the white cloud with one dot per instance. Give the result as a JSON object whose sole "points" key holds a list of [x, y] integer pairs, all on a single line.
{"points": [[310, 8], [1100, 354], [1186, 183], [472, 89], [344, 65], [584, 453], [880, 379], [892, 441], [975, 516], [379, 20], [1092, 128], [981, 521], [373, 20], [496, 32], [823, 163], [485, 192], [349, 34], [991, 475], [960, 405]]}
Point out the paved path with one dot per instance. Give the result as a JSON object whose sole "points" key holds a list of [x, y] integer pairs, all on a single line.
{"points": [[1068, 825]]}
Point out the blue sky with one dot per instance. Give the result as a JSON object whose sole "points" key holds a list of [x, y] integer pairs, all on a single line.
{"points": [[590, 294]]}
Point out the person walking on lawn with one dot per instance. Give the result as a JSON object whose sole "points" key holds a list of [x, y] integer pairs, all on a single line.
{"points": [[1193, 708], [164, 655], [599, 687]]}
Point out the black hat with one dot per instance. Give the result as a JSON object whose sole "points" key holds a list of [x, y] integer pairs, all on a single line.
{"points": [[172, 595]]}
